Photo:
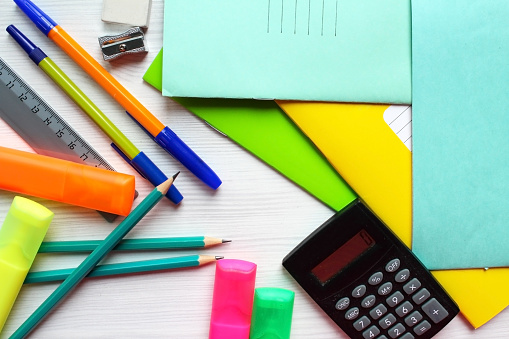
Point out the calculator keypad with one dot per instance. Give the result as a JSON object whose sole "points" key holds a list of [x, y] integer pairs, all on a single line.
{"points": [[369, 301], [376, 278], [343, 304], [362, 323], [391, 304], [378, 311], [421, 296], [385, 289], [359, 291]]}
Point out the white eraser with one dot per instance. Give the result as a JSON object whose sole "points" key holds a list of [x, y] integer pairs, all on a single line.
{"points": [[130, 12]]}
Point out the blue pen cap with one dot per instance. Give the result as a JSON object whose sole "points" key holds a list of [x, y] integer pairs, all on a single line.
{"points": [[152, 173], [168, 140], [34, 52], [39, 18]]}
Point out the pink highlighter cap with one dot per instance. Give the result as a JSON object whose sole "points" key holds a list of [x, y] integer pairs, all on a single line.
{"points": [[232, 302]]}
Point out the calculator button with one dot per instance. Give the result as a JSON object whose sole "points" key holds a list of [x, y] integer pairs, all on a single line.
{"points": [[371, 332], [394, 299], [385, 289], [412, 286], [352, 313], [378, 311], [435, 310], [413, 318], [342, 304], [402, 275], [392, 265], [362, 323], [359, 291], [404, 309], [396, 331], [422, 328], [407, 336], [421, 296], [387, 321], [369, 301], [376, 278]]}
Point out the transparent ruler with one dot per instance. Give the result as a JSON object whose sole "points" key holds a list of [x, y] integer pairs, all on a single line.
{"points": [[41, 127]]}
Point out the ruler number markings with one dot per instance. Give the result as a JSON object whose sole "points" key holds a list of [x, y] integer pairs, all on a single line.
{"points": [[49, 118]]}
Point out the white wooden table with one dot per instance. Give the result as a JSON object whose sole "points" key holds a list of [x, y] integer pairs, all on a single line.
{"points": [[264, 213]]}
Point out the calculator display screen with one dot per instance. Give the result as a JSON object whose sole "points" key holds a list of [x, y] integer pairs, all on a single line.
{"points": [[343, 256]]}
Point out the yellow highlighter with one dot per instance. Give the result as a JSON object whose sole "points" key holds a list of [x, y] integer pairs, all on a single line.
{"points": [[21, 236]]}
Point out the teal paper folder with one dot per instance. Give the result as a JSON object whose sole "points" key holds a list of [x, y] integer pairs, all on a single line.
{"points": [[314, 50], [460, 133]]}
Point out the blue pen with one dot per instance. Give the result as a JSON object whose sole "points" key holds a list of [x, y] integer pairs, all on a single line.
{"points": [[124, 146], [161, 134]]}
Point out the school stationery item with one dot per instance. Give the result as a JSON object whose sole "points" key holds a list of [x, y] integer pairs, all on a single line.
{"points": [[330, 50], [459, 169], [265, 131], [128, 42], [42, 127], [133, 156], [39, 124], [129, 12], [232, 301], [272, 313], [65, 181], [367, 280], [93, 259], [21, 234], [124, 268], [161, 134], [132, 244], [366, 153], [359, 144]]}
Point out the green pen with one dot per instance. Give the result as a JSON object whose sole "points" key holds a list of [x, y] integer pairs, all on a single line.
{"points": [[132, 155]]}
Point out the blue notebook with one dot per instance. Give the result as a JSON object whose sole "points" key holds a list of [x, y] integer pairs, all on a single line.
{"points": [[460, 86]]}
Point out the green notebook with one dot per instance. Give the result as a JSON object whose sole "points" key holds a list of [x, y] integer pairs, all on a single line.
{"points": [[263, 129]]}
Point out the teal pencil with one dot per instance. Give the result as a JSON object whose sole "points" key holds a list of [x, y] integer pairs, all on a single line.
{"points": [[124, 268], [131, 244], [93, 259]]}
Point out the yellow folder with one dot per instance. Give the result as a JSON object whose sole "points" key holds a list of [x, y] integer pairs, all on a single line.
{"points": [[369, 156]]}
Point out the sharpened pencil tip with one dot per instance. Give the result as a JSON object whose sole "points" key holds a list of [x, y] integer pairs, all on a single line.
{"points": [[225, 240], [176, 175], [219, 257]]}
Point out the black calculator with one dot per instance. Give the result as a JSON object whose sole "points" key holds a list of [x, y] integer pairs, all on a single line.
{"points": [[359, 272]]}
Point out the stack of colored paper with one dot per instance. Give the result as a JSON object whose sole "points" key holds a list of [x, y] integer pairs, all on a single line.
{"points": [[354, 138]]}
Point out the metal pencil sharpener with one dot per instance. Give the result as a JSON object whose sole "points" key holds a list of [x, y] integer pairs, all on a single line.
{"points": [[129, 42]]}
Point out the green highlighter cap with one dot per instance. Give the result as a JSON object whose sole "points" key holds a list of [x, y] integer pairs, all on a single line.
{"points": [[21, 236], [272, 313]]}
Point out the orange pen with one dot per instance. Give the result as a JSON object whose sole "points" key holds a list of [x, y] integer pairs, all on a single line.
{"points": [[65, 181], [161, 134]]}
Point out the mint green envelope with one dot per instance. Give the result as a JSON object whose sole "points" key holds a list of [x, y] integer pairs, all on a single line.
{"points": [[263, 128], [460, 133], [323, 50]]}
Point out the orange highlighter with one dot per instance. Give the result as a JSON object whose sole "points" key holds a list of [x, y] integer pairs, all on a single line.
{"points": [[161, 134], [65, 181]]}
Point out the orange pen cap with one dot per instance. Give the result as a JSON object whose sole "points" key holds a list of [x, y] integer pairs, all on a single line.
{"points": [[61, 180]]}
